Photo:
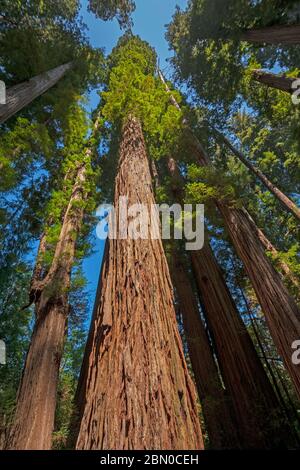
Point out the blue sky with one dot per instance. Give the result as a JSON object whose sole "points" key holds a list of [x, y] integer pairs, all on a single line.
{"points": [[150, 18]]}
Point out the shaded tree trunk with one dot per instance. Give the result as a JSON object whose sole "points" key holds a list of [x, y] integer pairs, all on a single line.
{"points": [[253, 398], [286, 202], [280, 309], [280, 82], [278, 305], [216, 405], [138, 391], [281, 34], [81, 390], [36, 401], [19, 96]]}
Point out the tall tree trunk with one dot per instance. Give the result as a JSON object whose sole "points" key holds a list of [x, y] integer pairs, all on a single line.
{"points": [[138, 392], [19, 96], [286, 202], [216, 405], [280, 82], [281, 34], [253, 398], [34, 417], [278, 305], [81, 390], [280, 309]]}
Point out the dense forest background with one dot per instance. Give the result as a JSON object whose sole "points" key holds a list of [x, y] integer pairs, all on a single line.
{"points": [[218, 126]]}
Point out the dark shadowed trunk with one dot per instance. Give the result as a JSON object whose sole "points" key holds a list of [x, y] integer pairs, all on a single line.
{"points": [[138, 391], [286, 202], [253, 398], [281, 34], [216, 405], [19, 96], [34, 417], [279, 307], [280, 82]]}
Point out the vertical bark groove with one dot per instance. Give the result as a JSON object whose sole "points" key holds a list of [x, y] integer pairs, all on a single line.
{"points": [[138, 393], [278, 305], [216, 405], [36, 401]]}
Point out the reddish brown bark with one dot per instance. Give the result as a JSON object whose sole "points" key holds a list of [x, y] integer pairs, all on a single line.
{"points": [[281, 34], [216, 405], [34, 417], [19, 96], [279, 307], [286, 202], [253, 398], [138, 391], [280, 82]]}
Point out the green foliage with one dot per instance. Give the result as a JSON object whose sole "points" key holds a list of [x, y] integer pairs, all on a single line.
{"points": [[20, 147], [15, 330], [209, 55], [108, 9]]}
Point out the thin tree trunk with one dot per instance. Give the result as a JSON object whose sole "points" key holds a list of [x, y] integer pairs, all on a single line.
{"points": [[34, 417], [216, 405], [286, 202], [280, 82], [281, 34], [278, 305], [253, 398], [19, 96], [138, 392]]}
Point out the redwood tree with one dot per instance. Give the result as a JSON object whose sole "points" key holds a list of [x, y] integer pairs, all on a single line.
{"points": [[36, 401], [138, 391], [19, 96], [280, 308], [216, 404], [242, 371], [280, 82]]}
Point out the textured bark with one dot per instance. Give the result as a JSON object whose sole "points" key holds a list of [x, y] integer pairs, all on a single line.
{"points": [[34, 417], [81, 390], [286, 202], [281, 34], [280, 309], [138, 391], [254, 401], [216, 405], [278, 305], [280, 82], [19, 96]]}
